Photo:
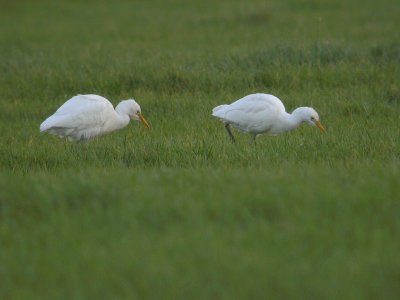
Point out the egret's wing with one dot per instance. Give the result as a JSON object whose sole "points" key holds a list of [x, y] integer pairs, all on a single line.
{"points": [[254, 119], [251, 104], [81, 111], [257, 102], [82, 103], [252, 113]]}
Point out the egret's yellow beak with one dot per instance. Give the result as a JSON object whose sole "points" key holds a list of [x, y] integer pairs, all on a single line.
{"points": [[319, 125], [143, 120]]}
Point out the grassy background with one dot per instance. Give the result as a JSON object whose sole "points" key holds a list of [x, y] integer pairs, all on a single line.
{"points": [[177, 211]]}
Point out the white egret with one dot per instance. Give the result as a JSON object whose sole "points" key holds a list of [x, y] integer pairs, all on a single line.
{"points": [[85, 116], [263, 113]]}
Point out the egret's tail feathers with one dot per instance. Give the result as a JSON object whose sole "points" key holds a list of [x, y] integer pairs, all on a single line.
{"points": [[45, 126], [48, 124], [219, 111], [217, 108], [53, 121]]}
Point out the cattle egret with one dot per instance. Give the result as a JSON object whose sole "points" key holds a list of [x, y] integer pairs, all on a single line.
{"points": [[85, 116], [263, 113]]}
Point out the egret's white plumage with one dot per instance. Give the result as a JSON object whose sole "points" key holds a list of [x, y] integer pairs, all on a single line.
{"points": [[263, 113], [85, 116]]}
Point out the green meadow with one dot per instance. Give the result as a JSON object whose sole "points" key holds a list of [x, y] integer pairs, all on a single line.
{"points": [[177, 211]]}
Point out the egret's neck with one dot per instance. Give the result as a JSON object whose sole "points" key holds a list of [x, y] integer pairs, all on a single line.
{"points": [[299, 115], [123, 120], [120, 120], [290, 121]]}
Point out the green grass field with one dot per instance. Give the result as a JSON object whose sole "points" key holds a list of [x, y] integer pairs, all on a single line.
{"points": [[177, 211]]}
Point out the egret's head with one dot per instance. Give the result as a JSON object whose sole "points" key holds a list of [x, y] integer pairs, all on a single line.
{"points": [[132, 109], [310, 116]]}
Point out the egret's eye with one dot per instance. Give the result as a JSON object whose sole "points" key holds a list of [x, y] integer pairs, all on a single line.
{"points": [[138, 112], [312, 119]]}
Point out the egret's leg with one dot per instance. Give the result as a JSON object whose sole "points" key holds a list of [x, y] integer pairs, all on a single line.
{"points": [[82, 142], [253, 139], [228, 129]]}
